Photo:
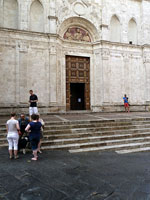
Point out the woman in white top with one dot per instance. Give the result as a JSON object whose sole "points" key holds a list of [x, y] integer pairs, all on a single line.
{"points": [[13, 129]]}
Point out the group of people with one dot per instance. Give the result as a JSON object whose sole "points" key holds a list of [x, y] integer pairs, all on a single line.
{"points": [[33, 127]]}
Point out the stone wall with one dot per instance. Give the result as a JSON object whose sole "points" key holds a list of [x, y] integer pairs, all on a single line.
{"points": [[33, 50]]}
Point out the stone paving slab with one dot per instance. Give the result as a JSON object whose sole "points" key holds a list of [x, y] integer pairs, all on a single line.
{"points": [[59, 175], [86, 116]]}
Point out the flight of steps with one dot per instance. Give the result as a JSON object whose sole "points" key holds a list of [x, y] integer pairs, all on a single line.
{"points": [[120, 135]]}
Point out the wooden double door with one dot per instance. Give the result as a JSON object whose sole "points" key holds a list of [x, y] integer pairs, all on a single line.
{"points": [[77, 83]]}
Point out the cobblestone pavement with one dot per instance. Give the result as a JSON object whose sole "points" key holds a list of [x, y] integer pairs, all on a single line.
{"points": [[59, 175]]}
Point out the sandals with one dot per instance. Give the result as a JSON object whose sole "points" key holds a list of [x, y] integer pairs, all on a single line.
{"points": [[34, 159], [16, 157]]}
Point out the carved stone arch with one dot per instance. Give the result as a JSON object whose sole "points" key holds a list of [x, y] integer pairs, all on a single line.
{"points": [[31, 2], [36, 16], [81, 23], [132, 31], [115, 29], [133, 18], [11, 13], [117, 16]]}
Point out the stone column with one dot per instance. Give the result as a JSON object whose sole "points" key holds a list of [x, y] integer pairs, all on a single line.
{"points": [[53, 75], [146, 63], [106, 75], [1, 13], [126, 80], [104, 32], [145, 22], [23, 15], [96, 81], [23, 64], [104, 21]]}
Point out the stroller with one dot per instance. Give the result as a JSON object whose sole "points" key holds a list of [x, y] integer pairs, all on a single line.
{"points": [[24, 143]]}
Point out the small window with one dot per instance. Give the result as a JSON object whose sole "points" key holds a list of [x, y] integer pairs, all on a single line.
{"points": [[132, 32], [11, 14], [37, 17], [115, 30]]}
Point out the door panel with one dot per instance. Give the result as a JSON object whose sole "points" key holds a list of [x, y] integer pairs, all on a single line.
{"points": [[77, 71]]}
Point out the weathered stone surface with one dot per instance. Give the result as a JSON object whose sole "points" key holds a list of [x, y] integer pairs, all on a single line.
{"points": [[32, 52], [62, 176]]}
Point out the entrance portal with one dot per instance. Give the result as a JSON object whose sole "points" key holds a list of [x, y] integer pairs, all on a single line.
{"points": [[77, 83], [77, 96]]}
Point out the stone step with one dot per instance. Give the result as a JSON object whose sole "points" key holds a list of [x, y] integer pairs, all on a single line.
{"points": [[78, 125], [92, 129], [4, 144], [107, 121], [117, 147], [86, 123], [53, 123], [85, 137], [113, 142], [81, 122], [100, 134], [70, 133], [134, 119], [95, 129], [60, 127], [133, 150], [97, 125], [95, 139], [85, 133]]}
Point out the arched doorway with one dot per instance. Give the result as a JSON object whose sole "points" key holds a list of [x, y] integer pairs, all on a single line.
{"points": [[77, 83], [78, 33]]}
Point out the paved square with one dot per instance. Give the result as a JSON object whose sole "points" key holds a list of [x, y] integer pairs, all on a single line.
{"points": [[59, 175]]}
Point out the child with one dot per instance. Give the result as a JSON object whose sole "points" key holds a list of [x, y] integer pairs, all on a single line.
{"points": [[126, 103]]}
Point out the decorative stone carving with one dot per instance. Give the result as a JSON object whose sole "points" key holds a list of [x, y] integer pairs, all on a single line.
{"points": [[125, 57], [105, 54], [146, 58], [23, 47], [53, 49], [77, 34], [79, 8]]}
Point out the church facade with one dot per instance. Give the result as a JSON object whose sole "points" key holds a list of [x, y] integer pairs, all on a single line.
{"points": [[75, 54]]}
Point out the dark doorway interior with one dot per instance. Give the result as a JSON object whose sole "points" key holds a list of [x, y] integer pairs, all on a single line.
{"points": [[77, 96]]}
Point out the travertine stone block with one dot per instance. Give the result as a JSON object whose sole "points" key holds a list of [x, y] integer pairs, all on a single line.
{"points": [[33, 51]]}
